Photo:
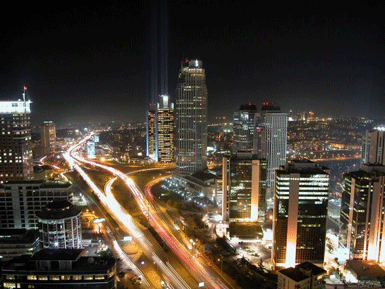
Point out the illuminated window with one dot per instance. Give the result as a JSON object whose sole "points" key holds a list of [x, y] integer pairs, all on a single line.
{"points": [[43, 278], [66, 277], [76, 277], [54, 278], [10, 277], [31, 277], [99, 277], [9, 285], [89, 277]]}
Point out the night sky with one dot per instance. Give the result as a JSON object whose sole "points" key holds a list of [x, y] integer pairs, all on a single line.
{"points": [[87, 62]]}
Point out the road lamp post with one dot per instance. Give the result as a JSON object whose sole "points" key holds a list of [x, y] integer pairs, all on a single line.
{"points": [[221, 260]]}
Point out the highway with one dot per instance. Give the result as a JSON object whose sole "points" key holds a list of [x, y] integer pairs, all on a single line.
{"points": [[115, 209], [169, 223], [108, 200]]}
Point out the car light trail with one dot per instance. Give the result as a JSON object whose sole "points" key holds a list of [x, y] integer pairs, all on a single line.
{"points": [[109, 201], [127, 260]]}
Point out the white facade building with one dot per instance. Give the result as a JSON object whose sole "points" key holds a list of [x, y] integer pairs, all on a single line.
{"points": [[272, 132], [21, 200], [60, 225]]}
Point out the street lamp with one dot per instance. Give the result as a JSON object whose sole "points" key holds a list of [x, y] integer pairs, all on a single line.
{"points": [[221, 260]]}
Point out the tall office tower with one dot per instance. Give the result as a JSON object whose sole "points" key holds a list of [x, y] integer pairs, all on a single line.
{"points": [[21, 200], [300, 213], [362, 219], [151, 149], [191, 118], [15, 141], [60, 225], [243, 187], [165, 130], [272, 133], [48, 135], [244, 125], [373, 147], [160, 131]]}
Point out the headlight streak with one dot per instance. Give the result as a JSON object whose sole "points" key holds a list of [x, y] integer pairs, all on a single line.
{"points": [[115, 208], [110, 202]]}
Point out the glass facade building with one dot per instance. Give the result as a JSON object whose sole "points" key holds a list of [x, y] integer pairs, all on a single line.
{"points": [[191, 118], [362, 220], [300, 213], [160, 131], [244, 124], [151, 150], [243, 187], [165, 130]]}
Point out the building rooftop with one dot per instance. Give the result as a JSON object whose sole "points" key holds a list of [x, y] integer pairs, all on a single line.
{"points": [[270, 106], [294, 274], [299, 272], [315, 270], [365, 269], [74, 256], [367, 172], [245, 230], [249, 106], [58, 209], [58, 255], [41, 183], [244, 155], [203, 176], [303, 166]]}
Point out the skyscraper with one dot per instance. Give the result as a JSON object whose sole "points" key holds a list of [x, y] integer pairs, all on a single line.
{"points": [[165, 130], [362, 218], [272, 142], [15, 142], [151, 149], [191, 117], [48, 135], [244, 124], [300, 213], [373, 147], [160, 131], [243, 187]]}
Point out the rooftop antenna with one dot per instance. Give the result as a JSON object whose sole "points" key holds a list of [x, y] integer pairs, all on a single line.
{"points": [[25, 104], [25, 88]]}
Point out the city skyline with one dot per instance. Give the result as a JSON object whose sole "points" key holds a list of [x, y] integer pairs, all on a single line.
{"points": [[76, 59]]}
